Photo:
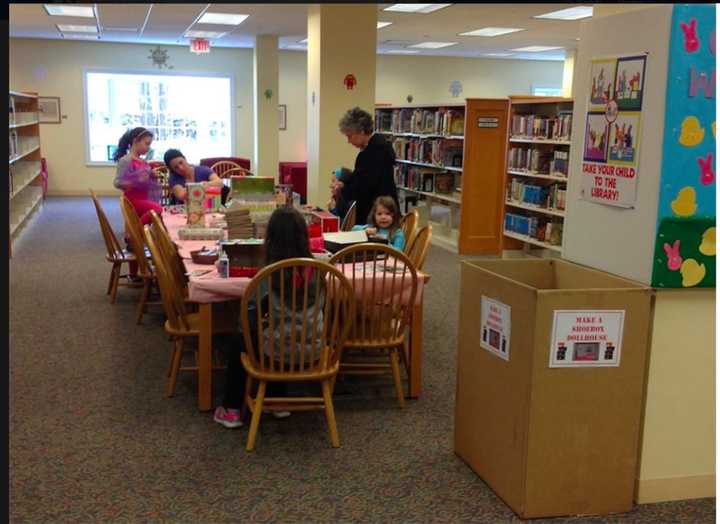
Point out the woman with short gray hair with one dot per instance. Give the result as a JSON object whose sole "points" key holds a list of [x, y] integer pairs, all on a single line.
{"points": [[373, 174]]}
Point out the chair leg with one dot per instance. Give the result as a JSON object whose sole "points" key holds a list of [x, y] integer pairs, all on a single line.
{"points": [[248, 389], [143, 298], [115, 282], [112, 278], [330, 413], [256, 413], [396, 377], [174, 367]]}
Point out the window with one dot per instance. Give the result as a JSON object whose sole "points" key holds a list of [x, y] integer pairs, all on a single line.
{"points": [[189, 113], [546, 91]]}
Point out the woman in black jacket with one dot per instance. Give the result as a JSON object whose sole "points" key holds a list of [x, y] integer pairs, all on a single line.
{"points": [[373, 174]]}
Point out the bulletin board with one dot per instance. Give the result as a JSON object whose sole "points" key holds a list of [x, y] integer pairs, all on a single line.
{"points": [[684, 254]]}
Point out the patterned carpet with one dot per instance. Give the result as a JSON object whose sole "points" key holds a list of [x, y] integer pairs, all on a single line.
{"points": [[92, 438]]}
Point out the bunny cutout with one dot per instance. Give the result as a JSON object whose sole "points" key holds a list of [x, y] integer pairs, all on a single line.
{"points": [[692, 42], [673, 253], [707, 175]]}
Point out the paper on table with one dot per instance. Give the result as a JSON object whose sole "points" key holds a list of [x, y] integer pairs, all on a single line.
{"points": [[346, 237]]}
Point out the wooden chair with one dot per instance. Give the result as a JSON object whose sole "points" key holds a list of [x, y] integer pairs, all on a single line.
{"points": [[419, 247], [409, 223], [280, 350], [163, 175], [235, 171], [385, 283], [221, 168], [174, 262], [133, 228], [349, 221], [180, 323], [116, 254]]}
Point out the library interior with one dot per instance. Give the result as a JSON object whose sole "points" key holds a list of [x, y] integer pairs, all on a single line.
{"points": [[359, 262]]}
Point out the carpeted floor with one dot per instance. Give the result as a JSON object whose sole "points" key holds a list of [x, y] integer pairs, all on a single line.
{"points": [[93, 439]]}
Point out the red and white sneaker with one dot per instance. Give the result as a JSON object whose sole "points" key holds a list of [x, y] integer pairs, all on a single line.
{"points": [[230, 418]]}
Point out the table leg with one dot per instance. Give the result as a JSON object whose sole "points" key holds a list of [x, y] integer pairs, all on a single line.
{"points": [[416, 328], [205, 358]]}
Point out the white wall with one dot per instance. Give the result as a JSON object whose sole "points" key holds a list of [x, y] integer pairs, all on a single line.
{"points": [[54, 68]]}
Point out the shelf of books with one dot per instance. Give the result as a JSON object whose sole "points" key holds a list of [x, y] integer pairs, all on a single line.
{"points": [[428, 144], [24, 171], [537, 171]]}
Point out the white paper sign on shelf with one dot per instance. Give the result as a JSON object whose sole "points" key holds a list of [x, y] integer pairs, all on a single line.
{"points": [[495, 327], [582, 339]]}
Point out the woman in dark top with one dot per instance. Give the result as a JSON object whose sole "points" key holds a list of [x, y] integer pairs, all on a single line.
{"points": [[373, 174]]}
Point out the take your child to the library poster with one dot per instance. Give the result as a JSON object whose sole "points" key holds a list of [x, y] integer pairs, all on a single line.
{"points": [[612, 130]]}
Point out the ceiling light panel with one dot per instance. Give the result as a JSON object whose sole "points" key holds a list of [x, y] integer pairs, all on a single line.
{"points": [[303, 41], [433, 45], [571, 13], [380, 25], [222, 19], [401, 52], [203, 34], [497, 54], [492, 31], [536, 48], [77, 28], [79, 11], [415, 8]]}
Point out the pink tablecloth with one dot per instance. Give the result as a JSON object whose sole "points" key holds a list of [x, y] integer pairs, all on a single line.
{"points": [[211, 287]]}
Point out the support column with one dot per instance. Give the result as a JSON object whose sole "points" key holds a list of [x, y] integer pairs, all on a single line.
{"points": [[337, 49], [265, 105], [568, 71]]}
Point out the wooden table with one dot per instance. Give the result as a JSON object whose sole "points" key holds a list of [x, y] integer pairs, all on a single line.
{"points": [[208, 289]]}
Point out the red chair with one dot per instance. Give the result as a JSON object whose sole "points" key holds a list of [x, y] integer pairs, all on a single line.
{"points": [[295, 173]]}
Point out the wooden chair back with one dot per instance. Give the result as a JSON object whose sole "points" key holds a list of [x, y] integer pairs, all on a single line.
{"points": [[303, 307], [235, 171], [172, 299], [350, 217], [169, 251], [133, 228], [113, 246], [385, 284], [408, 224], [420, 246], [163, 175], [222, 168]]}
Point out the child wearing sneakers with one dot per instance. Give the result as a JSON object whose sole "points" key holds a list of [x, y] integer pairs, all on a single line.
{"points": [[286, 237]]}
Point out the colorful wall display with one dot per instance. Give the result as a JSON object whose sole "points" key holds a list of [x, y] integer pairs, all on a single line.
{"points": [[685, 236], [612, 130]]}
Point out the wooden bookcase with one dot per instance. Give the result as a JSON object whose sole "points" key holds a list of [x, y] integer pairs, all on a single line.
{"points": [[538, 153], [25, 190], [442, 163]]}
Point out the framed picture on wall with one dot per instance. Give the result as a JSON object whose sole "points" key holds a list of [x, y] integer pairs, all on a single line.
{"points": [[49, 109], [282, 116]]}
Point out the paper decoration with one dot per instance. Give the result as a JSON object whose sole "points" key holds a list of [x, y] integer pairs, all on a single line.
{"points": [[686, 207], [611, 151], [350, 82], [409, 99], [455, 88], [673, 253], [159, 58], [583, 339], [495, 327]]}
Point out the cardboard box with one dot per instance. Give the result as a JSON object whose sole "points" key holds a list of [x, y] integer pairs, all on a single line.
{"points": [[551, 441]]}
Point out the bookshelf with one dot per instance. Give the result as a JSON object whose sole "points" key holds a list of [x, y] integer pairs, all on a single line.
{"points": [[24, 169], [428, 141], [538, 154]]}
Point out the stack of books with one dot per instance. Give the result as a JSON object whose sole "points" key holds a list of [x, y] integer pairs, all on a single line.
{"points": [[239, 224], [542, 127]]}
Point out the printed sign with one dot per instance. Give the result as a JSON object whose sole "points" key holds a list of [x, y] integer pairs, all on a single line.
{"points": [[487, 121], [612, 130], [582, 339], [495, 327]]}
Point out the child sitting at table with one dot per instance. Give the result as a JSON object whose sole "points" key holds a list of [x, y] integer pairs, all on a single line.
{"points": [[337, 204], [286, 237], [384, 221]]}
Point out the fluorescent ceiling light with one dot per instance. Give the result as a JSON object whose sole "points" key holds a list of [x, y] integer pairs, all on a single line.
{"points": [[77, 28], [571, 13], [295, 46], [433, 45], [222, 19], [491, 31], [380, 25], [415, 8], [536, 48], [79, 11], [497, 54], [81, 36], [401, 52], [203, 34], [303, 41]]}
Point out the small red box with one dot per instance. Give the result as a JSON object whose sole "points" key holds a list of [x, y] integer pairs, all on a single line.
{"points": [[243, 271], [328, 222]]}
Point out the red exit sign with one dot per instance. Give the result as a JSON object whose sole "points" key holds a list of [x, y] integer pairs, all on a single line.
{"points": [[200, 45]]}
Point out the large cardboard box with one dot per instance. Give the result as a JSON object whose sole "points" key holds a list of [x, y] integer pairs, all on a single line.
{"points": [[561, 440]]}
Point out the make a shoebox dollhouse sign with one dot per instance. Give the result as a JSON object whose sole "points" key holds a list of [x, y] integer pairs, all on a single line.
{"points": [[495, 327], [582, 339]]}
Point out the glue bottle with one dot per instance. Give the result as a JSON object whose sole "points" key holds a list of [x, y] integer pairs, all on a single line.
{"points": [[223, 265]]}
